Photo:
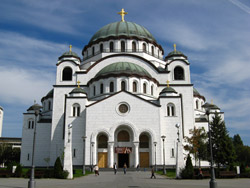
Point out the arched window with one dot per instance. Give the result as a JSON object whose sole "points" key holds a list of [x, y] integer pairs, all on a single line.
{"points": [[101, 48], [94, 91], [123, 136], [111, 46], [102, 141], [122, 46], [49, 105], [101, 89], [93, 51], [144, 88], [178, 73], [123, 85], [197, 104], [67, 74], [144, 47], [152, 90], [144, 141], [170, 109], [133, 47], [111, 87], [31, 124], [76, 110], [134, 87], [152, 50]]}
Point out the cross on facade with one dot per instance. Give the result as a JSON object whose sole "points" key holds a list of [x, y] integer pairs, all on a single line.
{"points": [[167, 83], [122, 13], [78, 83], [70, 48]]}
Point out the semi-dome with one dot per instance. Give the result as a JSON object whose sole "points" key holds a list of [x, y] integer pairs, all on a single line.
{"points": [[123, 68], [128, 29]]}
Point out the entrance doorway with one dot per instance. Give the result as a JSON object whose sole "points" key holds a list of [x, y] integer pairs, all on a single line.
{"points": [[103, 159], [144, 159], [123, 158]]}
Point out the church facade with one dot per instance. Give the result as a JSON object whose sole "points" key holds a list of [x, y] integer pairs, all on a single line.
{"points": [[121, 103]]}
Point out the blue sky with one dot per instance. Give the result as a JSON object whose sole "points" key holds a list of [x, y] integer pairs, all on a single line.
{"points": [[215, 35]]}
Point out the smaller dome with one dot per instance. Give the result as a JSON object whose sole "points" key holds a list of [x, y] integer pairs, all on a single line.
{"points": [[168, 90], [35, 107], [197, 94], [175, 53], [77, 90], [69, 54], [49, 95], [210, 106]]}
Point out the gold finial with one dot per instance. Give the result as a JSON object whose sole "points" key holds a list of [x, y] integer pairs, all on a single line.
{"points": [[167, 83], [175, 47], [122, 13], [78, 83], [70, 48], [211, 101]]}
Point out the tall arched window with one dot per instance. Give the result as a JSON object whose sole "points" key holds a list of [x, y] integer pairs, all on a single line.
{"points": [[170, 109], [133, 47], [152, 50], [31, 124], [123, 136], [93, 51], [144, 88], [144, 141], [122, 46], [49, 105], [197, 104], [178, 73], [152, 90], [101, 89], [111, 46], [102, 141], [76, 110], [67, 74], [101, 48], [144, 47], [111, 87], [123, 85], [94, 91], [134, 87]]}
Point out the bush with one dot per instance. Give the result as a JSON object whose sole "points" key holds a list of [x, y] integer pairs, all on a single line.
{"points": [[18, 172], [188, 171], [58, 170]]}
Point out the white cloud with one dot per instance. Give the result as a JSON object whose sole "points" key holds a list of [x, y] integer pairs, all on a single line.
{"points": [[23, 86], [241, 6]]}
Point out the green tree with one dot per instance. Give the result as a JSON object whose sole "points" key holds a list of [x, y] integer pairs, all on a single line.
{"points": [[222, 145], [9, 154], [188, 171], [197, 144], [58, 168]]}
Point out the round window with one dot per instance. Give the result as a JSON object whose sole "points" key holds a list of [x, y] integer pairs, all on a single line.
{"points": [[123, 108]]}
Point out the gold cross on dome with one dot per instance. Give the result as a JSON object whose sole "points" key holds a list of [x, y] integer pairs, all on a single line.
{"points": [[70, 48], [167, 83], [122, 13], [175, 47], [78, 83]]}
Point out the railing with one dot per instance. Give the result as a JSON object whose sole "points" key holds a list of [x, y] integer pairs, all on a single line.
{"points": [[122, 51]]}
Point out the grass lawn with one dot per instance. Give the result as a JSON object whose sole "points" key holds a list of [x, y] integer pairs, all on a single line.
{"points": [[78, 173], [170, 173]]}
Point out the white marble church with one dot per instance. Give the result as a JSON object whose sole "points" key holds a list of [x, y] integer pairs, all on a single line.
{"points": [[115, 103]]}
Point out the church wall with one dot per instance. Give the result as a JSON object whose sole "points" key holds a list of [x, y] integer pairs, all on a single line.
{"points": [[103, 116]]}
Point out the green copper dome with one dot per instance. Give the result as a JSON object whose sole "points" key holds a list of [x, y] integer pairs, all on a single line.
{"points": [[77, 90], [168, 90], [120, 28], [69, 54], [123, 68]]}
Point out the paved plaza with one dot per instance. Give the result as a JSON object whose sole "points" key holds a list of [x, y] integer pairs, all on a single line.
{"points": [[120, 180]]}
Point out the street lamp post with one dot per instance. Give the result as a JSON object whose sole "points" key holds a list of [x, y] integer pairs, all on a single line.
{"points": [[32, 182], [213, 183], [92, 157], [155, 155], [83, 162], [177, 149], [164, 168]]}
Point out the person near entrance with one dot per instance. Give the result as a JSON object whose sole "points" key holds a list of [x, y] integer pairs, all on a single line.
{"points": [[124, 168], [153, 172], [115, 168], [96, 169]]}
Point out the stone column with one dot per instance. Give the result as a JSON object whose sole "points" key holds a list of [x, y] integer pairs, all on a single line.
{"points": [[111, 154], [136, 146]]}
